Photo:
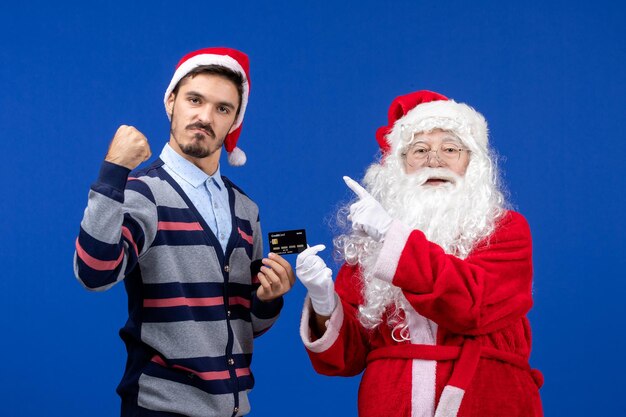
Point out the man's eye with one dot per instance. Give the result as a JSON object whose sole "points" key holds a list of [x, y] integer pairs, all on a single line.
{"points": [[194, 100], [420, 151], [223, 109], [450, 149]]}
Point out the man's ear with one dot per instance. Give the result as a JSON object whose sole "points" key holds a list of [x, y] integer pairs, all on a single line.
{"points": [[170, 104]]}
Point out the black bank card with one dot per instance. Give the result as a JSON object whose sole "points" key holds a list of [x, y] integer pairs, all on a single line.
{"points": [[288, 241]]}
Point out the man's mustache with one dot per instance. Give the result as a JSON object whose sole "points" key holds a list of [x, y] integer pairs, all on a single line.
{"points": [[199, 125]]}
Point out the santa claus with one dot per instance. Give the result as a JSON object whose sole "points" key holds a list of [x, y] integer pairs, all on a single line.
{"points": [[431, 300]]}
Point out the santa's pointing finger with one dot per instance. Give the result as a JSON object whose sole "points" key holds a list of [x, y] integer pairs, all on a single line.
{"points": [[356, 187], [367, 215]]}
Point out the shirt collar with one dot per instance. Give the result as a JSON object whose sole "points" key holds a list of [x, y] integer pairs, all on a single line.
{"points": [[188, 171]]}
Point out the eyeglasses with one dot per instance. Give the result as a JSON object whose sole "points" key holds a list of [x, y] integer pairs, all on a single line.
{"points": [[420, 153]]}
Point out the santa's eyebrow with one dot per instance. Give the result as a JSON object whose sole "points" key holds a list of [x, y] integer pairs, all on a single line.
{"points": [[448, 140]]}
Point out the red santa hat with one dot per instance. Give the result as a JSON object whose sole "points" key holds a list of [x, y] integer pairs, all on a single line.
{"points": [[423, 111], [232, 59]]}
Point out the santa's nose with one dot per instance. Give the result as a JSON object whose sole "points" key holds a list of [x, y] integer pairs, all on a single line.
{"points": [[433, 159]]}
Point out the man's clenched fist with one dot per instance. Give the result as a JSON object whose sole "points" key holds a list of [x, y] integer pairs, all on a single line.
{"points": [[129, 148]]}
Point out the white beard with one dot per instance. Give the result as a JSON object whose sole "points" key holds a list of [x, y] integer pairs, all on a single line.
{"points": [[455, 215], [435, 210]]}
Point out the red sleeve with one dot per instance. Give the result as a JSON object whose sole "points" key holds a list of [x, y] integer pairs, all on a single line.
{"points": [[344, 347], [488, 290]]}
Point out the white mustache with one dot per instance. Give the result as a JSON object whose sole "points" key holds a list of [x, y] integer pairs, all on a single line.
{"points": [[420, 177]]}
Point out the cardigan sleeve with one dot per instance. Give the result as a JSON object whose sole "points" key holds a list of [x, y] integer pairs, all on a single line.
{"points": [[118, 225], [488, 290], [263, 313], [343, 348]]}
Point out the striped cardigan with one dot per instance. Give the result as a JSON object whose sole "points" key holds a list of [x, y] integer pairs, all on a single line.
{"points": [[193, 310]]}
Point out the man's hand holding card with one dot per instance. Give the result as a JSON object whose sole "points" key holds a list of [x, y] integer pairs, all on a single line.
{"points": [[276, 274]]}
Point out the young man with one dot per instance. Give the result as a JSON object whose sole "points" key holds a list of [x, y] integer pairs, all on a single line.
{"points": [[187, 243], [432, 299]]}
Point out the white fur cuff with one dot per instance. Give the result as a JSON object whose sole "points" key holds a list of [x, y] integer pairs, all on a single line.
{"points": [[332, 328]]}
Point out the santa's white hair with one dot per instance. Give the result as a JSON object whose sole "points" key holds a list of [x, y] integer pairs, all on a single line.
{"points": [[456, 215]]}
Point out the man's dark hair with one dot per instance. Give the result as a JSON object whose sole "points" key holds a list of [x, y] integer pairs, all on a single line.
{"points": [[221, 71]]}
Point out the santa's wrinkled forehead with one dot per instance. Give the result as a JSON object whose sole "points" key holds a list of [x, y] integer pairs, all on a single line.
{"points": [[412, 136]]}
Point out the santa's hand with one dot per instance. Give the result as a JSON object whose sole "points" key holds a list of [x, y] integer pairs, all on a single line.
{"points": [[317, 278], [367, 215]]}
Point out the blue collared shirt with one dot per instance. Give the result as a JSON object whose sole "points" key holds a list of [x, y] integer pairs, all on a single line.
{"points": [[207, 192]]}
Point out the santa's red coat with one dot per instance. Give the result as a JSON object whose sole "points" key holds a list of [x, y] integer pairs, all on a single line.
{"points": [[470, 338]]}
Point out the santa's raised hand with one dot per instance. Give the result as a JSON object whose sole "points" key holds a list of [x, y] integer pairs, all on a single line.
{"points": [[367, 215]]}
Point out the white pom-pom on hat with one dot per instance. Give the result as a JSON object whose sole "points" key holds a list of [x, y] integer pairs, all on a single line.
{"points": [[237, 157]]}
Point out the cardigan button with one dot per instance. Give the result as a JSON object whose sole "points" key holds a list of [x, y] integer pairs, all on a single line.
{"points": [[236, 409], [226, 268], [231, 361]]}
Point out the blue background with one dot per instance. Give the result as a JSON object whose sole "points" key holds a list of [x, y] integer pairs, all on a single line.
{"points": [[548, 76]]}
